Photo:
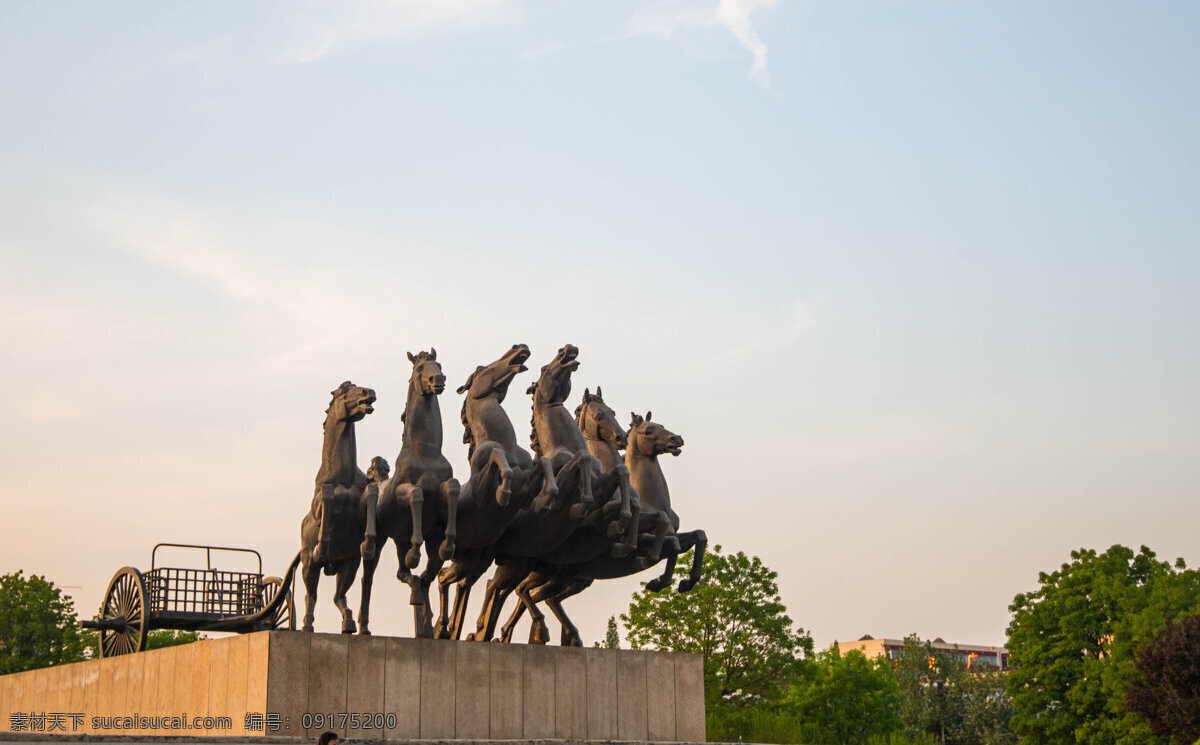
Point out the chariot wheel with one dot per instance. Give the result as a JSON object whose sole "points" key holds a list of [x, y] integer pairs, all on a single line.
{"points": [[284, 616], [123, 614]]}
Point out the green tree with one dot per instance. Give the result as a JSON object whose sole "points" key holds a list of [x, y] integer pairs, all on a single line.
{"points": [[735, 618], [155, 639], [846, 700], [612, 639], [1167, 693], [38, 627], [931, 683], [1073, 639], [986, 709]]}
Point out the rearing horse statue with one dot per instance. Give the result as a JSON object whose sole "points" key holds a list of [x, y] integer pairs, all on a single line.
{"points": [[580, 477], [421, 470], [339, 528], [504, 479], [552, 584]]}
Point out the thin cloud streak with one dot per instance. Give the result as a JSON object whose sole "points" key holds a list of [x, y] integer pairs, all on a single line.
{"points": [[732, 15], [324, 28]]}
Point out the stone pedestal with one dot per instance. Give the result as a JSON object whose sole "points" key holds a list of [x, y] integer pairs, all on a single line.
{"points": [[288, 683]]}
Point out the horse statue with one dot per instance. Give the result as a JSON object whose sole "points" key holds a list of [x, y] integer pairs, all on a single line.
{"points": [[531, 534], [339, 528], [504, 479], [421, 470], [553, 583]]}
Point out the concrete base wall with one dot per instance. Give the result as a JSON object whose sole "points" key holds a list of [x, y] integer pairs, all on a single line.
{"points": [[365, 687]]}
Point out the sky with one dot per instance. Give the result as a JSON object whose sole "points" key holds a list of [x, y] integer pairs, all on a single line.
{"points": [[915, 281]]}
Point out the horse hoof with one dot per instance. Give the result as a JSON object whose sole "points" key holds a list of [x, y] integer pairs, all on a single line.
{"points": [[686, 584], [307, 627], [656, 585], [362, 631], [413, 558], [620, 551], [446, 551]]}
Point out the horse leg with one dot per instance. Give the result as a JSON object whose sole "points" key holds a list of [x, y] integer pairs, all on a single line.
{"points": [[661, 529], [370, 505], [588, 467], [311, 573], [368, 579], [549, 484], [450, 491], [323, 507], [415, 498], [345, 578], [531, 580], [663, 581], [630, 508], [505, 578], [445, 577], [473, 573], [570, 634], [537, 624], [699, 540], [499, 459]]}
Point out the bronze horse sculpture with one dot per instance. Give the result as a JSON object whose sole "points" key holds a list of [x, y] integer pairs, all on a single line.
{"points": [[554, 583], [339, 528], [580, 477], [504, 479], [422, 472]]}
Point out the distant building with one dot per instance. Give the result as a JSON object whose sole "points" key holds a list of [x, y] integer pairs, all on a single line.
{"points": [[891, 648]]}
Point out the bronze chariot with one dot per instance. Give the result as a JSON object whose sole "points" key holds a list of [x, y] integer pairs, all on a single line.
{"points": [[191, 599]]}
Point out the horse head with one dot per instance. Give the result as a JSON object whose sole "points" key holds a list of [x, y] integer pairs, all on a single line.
{"points": [[427, 375], [350, 403], [554, 384], [598, 422], [651, 439], [492, 380]]}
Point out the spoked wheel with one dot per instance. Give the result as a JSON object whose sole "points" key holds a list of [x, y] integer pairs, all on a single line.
{"points": [[123, 614], [285, 616]]}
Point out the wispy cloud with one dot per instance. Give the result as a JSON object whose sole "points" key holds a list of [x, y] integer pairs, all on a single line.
{"points": [[325, 27], [785, 332], [732, 15]]}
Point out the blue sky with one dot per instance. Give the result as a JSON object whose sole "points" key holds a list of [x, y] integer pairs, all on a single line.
{"points": [[915, 281]]}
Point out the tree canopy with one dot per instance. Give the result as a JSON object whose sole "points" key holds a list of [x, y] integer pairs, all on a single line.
{"points": [[846, 699], [1073, 639], [38, 627], [1167, 693], [735, 618]]}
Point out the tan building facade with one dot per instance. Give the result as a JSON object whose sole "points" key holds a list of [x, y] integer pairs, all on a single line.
{"points": [[996, 657]]}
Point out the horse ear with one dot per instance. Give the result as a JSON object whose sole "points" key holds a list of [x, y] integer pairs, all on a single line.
{"points": [[532, 387], [587, 395], [411, 358], [598, 393], [636, 420], [647, 416], [432, 353], [470, 379]]}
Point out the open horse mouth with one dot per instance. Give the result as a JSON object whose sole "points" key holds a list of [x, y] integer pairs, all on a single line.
{"points": [[675, 445], [365, 404], [570, 354], [519, 358]]}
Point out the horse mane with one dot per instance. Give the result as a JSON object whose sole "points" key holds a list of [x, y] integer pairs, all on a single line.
{"points": [[338, 393], [468, 436], [534, 442]]}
